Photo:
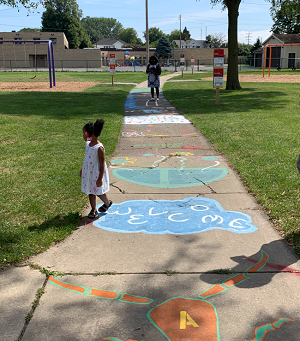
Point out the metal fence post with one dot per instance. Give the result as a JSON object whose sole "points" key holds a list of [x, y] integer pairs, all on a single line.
{"points": [[62, 65], [175, 65], [198, 65]]}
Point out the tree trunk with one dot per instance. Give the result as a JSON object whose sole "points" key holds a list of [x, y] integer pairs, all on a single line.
{"points": [[233, 65]]}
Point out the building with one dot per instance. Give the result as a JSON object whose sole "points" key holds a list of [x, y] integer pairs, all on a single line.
{"points": [[107, 43], [190, 44], [16, 53], [285, 52]]}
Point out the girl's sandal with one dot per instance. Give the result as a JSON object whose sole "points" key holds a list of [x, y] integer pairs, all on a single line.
{"points": [[93, 214], [104, 208]]}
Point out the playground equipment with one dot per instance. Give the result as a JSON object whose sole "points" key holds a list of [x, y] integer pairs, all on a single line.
{"points": [[50, 55], [270, 58]]}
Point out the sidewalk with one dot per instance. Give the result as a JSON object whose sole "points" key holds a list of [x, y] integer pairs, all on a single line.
{"points": [[185, 253]]}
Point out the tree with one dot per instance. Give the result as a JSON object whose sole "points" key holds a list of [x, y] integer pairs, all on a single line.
{"points": [[233, 14], [174, 35], [185, 34], [245, 49], [27, 29], [129, 35], [29, 4], [215, 41], [256, 46], [99, 28], [286, 22], [164, 48], [64, 16], [154, 34]]}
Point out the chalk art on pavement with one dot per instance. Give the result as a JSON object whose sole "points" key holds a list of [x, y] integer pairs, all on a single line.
{"points": [[187, 216], [155, 119]]}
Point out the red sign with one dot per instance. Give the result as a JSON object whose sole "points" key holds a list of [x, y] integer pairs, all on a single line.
{"points": [[112, 56], [112, 66], [219, 53], [218, 72]]}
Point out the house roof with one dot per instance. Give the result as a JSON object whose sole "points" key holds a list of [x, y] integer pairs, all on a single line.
{"points": [[110, 41], [285, 38]]}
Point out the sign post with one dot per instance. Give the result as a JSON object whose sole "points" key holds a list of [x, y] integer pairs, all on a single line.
{"points": [[192, 64], [182, 64], [112, 67], [218, 72]]}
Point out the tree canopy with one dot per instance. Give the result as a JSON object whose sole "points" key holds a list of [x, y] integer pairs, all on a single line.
{"points": [[185, 34], [99, 28], [215, 40], [154, 34], [28, 29], [64, 16], [129, 35], [285, 15], [26, 3]]}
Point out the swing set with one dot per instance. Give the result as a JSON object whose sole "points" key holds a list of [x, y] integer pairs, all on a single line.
{"points": [[270, 58], [50, 55]]}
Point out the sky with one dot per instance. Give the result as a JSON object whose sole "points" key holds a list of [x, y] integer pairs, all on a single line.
{"points": [[200, 17]]}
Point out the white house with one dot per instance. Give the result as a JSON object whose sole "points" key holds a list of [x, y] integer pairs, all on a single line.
{"points": [[107, 43], [190, 44]]}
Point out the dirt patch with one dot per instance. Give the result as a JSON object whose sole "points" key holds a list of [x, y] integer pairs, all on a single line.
{"points": [[260, 78], [45, 86]]}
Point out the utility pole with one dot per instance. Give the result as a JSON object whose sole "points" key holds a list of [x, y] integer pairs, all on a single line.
{"points": [[201, 31], [147, 34], [248, 36], [180, 29]]}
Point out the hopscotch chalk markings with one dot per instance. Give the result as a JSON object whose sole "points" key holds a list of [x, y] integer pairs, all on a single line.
{"points": [[156, 119]]}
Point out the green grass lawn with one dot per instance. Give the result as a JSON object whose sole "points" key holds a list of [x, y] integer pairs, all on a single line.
{"points": [[257, 128], [69, 76], [42, 151]]}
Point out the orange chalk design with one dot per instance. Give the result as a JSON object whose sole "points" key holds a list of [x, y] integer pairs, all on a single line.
{"points": [[77, 288], [261, 331], [186, 319], [214, 290], [103, 293], [256, 267], [135, 299], [235, 280]]}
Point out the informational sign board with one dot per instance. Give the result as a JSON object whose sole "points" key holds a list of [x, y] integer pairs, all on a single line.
{"points": [[182, 62], [218, 68], [112, 64], [192, 62]]}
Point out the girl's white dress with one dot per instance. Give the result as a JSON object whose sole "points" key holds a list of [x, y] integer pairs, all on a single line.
{"points": [[90, 171]]}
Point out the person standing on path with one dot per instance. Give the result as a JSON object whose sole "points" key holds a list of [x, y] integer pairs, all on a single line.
{"points": [[153, 70], [94, 173]]}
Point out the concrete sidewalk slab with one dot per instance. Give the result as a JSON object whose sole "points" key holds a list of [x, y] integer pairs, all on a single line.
{"points": [[172, 308], [18, 287], [238, 280]]}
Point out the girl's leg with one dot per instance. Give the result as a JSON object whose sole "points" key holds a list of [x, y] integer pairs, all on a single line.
{"points": [[92, 198], [157, 92], [152, 92], [104, 198]]}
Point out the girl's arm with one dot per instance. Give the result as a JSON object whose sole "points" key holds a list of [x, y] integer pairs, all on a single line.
{"points": [[148, 68], [101, 157]]}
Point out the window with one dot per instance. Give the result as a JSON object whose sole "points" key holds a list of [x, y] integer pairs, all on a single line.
{"points": [[54, 40], [36, 39], [16, 41]]}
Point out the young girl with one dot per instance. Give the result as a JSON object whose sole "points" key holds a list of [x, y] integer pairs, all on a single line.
{"points": [[94, 173], [153, 70]]}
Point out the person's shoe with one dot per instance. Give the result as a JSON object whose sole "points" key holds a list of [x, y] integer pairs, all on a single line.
{"points": [[152, 99], [157, 99]]}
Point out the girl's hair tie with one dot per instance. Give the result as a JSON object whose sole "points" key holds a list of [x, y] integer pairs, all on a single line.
{"points": [[87, 134]]}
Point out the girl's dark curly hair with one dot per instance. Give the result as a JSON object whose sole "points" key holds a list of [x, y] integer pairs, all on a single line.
{"points": [[89, 128], [153, 60], [98, 126]]}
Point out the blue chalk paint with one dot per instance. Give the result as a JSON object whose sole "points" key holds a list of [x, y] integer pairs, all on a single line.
{"points": [[187, 216]]}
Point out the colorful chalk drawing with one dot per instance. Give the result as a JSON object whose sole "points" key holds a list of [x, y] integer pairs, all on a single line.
{"points": [[260, 332], [182, 318], [170, 177], [155, 119], [187, 216]]}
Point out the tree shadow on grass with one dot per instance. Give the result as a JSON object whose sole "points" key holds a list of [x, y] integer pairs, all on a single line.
{"points": [[63, 105], [202, 101]]}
